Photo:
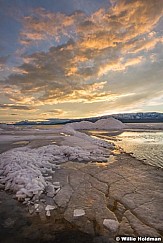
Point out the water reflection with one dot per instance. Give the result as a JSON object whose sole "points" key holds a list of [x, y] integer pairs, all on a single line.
{"points": [[147, 145], [144, 145]]}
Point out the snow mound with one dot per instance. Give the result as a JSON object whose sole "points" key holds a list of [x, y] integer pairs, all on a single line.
{"points": [[109, 124], [82, 125], [78, 137], [102, 124]]}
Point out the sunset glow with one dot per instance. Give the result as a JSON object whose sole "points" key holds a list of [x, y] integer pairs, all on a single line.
{"points": [[71, 59]]}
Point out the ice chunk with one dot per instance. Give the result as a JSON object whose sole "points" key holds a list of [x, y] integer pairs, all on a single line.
{"points": [[111, 224], [50, 207], [48, 213], [79, 212]]}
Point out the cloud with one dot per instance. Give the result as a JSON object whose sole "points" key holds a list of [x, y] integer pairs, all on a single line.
{"points": [[44, 25], [3, 61], [15, 107], [86, 50], [121, 23], [49, 114], [144, 44], [83, 93], [119, 65], [55, 112]]}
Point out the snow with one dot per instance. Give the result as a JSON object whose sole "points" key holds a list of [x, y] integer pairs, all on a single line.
{"points": [[22, 170], [102, 124], [8, 127], [12, 138], [109, 124], [29, 172]]}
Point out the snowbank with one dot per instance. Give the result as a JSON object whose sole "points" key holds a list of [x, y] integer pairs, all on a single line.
{"points": [[109, 124], [27, 171], [4, 126], [22, 170], [102, 124]]}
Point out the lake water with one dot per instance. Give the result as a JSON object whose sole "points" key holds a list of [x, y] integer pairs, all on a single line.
{"points": [[147, 146]]}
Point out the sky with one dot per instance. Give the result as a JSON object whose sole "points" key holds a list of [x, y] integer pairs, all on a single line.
{"points": [[80, 58]]}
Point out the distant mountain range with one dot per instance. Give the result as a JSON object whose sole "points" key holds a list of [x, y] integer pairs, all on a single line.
{"points": [[125, 117]]}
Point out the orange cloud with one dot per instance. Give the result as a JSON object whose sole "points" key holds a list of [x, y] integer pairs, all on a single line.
{"points": [[46, 25], [86, 93], [144, 44], [97, 43], [52, 113], [119, 65], [72, 71], [107, 40], [133, 61]]}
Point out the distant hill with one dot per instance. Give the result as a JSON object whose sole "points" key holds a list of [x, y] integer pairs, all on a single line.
{"points": [[45, 122], [139, 117]]}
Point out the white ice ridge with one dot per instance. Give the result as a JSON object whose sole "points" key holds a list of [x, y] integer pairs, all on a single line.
{"points": [[27, 172]]}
